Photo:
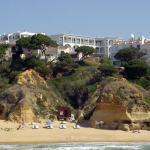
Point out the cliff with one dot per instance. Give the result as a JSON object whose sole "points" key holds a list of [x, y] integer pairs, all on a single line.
{"points": [[29, 98], [116, 101]]}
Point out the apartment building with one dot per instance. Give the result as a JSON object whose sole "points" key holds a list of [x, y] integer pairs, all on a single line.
{"points": [[13, 37], [102, 45]]}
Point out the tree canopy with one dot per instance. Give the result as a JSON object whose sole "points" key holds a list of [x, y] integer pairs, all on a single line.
{"points": [[35, 42], [24, 42], [38, 40], [85, 50], [65, 58], [136, 67], [128, 54]]}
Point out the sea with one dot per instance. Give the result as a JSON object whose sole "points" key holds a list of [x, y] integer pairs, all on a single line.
{"points": [[78, 146]]}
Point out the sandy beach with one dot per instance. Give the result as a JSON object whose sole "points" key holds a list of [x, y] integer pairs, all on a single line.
{"points": [[10, 134]]}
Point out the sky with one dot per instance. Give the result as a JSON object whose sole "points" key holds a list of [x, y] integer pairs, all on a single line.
{"points": [[116, 18]]}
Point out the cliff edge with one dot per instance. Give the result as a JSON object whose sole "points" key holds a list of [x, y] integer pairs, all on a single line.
{"points": [[117, 102]]}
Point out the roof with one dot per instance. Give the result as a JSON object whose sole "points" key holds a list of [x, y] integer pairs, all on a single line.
{"points": [[83, 36]]}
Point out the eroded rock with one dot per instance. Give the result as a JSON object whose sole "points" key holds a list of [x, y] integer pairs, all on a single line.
{"points": [[119, 101]]}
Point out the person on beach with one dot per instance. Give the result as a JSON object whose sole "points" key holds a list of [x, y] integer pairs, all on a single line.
{"points": [[49, 124], [21, 124]]}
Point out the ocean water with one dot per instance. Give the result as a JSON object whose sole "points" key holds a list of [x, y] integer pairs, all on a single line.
{"points": [[78, 146]]}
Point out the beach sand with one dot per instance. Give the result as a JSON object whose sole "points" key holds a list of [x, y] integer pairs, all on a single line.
{"points": [[56, 135]]}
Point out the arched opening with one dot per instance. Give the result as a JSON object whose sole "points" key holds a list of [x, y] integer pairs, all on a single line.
{"points": [[75, 46], [67, 45]]}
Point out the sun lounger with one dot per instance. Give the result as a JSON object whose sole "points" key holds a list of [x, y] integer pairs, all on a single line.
{"points": [[136, 131], [76, 126], [62, 126], [35, 126], [48, 126]]}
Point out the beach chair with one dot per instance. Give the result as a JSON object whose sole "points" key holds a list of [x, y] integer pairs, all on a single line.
{"points": [[62, 126], [35, 126], [50, 126], [76, 126]]}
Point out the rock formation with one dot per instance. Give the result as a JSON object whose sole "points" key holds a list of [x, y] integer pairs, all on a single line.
{"points": [[119, 104], [29, 98]]}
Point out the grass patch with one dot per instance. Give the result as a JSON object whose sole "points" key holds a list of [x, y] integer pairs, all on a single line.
{"points": [[147, 99]]}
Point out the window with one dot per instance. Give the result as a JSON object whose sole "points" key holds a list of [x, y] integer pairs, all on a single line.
{"points": [[91, 42], [97, 49], [73, 40], [78, 41]]}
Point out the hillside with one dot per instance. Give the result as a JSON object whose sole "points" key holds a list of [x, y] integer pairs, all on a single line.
{"points": [[29, 97]]}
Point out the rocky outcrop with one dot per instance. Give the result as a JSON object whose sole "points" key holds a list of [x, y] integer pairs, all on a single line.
{"points": [[119, 103], [29, 98], [31, 77]]}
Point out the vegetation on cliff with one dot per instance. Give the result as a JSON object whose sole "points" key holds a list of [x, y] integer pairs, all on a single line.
{"points": [[136, 68], [68, 81]]}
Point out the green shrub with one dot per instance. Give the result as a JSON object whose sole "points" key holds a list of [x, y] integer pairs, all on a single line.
{"points": [[147, 99], [144, 82], [107, 70], [136, 68], [4, 83]]}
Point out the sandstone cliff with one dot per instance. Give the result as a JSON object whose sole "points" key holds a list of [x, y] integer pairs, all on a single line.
{"points": [[116, 101], [29, 98]]}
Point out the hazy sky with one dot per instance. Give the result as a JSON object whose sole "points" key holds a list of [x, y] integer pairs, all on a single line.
{"points": [[117, 18]]}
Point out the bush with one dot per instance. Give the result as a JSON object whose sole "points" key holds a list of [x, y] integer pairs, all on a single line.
{"points": [[144, 82], [3, 83], [107, 70], [136, 69], [31, 62], [65, 65], [13, 74], [106, 61], [40, 66], [147, 99]]}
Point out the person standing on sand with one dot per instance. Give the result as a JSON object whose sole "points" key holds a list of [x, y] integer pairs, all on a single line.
{"points": [[21, 124]]}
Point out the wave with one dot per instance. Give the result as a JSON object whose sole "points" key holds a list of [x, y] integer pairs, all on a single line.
{"points": [[78, 146]]}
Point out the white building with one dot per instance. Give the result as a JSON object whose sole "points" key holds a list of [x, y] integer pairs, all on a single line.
{"points": [[102, 45], [51, 53], [13, 37]]}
